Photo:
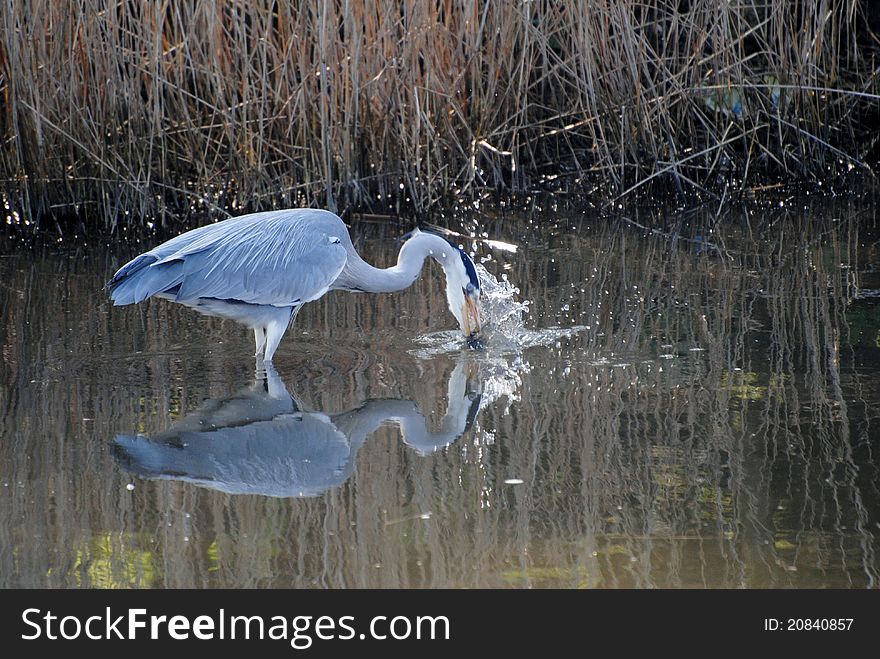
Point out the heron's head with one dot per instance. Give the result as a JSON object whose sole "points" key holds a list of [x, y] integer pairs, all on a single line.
{"points": [[462, 282], [463, 293]]}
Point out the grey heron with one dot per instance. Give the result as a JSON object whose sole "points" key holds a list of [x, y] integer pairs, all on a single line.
{"points": [[259, 269]]}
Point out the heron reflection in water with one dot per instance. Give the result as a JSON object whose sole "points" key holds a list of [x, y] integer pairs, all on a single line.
{"points": [[260, 441]]}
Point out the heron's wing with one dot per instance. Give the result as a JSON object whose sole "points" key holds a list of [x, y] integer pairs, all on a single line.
{"points": [[278, 258]]}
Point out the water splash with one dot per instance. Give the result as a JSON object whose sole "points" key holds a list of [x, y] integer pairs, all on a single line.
{"points": [[503, 319], [502, 312]]}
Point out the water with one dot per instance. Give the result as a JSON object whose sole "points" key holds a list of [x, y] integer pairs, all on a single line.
{"points": [[677, 409]]}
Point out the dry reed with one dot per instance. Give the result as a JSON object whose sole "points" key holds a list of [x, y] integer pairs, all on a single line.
{"points": [[133, 112]]}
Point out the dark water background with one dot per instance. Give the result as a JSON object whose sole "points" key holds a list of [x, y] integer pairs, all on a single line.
{"points": [[699, 411]]}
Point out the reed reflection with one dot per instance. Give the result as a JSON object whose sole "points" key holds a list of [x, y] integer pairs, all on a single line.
{"points": [[715, 425], [262, 441]]}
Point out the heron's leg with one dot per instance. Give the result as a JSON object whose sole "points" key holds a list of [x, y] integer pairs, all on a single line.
{"points": [[275, 330], [260, 340]]}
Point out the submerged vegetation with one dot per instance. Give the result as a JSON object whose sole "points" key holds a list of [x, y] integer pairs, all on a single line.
{"points": [[131, 112]]}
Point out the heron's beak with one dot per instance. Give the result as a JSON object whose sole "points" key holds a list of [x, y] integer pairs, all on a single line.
{"points": [[471, 315]]}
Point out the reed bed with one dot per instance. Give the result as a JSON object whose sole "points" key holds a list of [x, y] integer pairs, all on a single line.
{"points": [[128, 113]]}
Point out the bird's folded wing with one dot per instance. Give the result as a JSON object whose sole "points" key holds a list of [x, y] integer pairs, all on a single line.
{"points": [[280, 260]]}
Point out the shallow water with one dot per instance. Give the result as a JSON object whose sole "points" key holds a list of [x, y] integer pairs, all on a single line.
{"points": [[677, 409]]}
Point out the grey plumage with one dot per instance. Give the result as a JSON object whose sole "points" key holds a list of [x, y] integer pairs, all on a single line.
{"points": [[259, 269], [277, 258]]}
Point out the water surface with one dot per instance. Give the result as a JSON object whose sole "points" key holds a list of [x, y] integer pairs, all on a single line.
{"points": [[695, 407]]}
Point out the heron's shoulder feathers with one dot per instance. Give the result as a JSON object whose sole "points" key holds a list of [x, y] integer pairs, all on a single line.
{"points": [[280, 258]]}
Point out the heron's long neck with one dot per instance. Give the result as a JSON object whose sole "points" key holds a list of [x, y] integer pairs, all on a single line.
{"points": [[359, 275]]}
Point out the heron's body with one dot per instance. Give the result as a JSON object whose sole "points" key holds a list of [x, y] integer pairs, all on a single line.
{"points": [[259, 270]]}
